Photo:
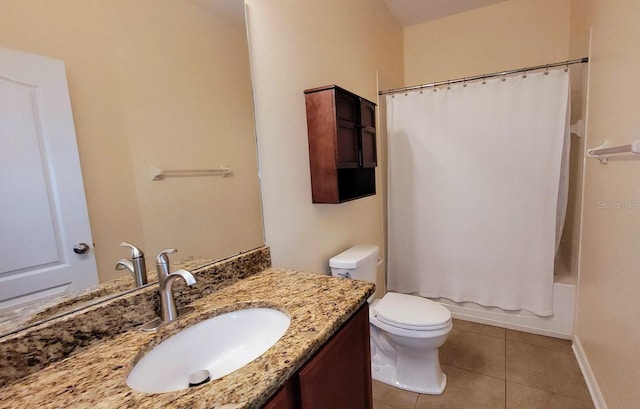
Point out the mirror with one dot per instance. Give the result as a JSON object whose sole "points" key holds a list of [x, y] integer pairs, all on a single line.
{"points": [[154, 83]]}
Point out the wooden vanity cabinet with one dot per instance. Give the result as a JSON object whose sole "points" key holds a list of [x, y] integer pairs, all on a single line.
{"points": [[285, 398], [342, 144], [337, 376]]}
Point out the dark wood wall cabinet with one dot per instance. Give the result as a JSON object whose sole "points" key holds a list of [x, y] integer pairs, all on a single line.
{"points": [[342, 144], [337, 376]]}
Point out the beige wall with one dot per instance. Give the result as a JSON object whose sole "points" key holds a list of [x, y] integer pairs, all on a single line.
{"points": [[608, 323], [507, 35], [298, 45], [152, 82]]}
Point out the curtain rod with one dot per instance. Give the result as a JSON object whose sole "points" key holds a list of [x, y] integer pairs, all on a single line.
{"points": [[484, 76]]}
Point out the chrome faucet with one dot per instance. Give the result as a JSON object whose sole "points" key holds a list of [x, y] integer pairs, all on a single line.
{"points": [[168, 310], [136, 265]]}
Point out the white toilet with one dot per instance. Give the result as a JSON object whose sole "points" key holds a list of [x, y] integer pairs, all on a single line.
{"points": [[406, 330]]}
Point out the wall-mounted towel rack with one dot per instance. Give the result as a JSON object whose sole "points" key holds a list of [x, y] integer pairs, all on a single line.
{"points": [[158, 174], [603, 151]]}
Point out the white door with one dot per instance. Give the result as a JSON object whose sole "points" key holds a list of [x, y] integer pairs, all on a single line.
{"points": [[43, 212]]}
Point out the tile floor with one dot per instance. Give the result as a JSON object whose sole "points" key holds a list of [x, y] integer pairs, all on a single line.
{"points": [[490, 368]]}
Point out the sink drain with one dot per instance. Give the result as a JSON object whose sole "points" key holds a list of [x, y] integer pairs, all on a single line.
{"points": [[198, 378]]}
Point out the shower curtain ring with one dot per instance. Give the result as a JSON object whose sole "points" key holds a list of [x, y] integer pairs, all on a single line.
{"points": [[524, 73], [464, 82], [448, 84], [546, 71]]}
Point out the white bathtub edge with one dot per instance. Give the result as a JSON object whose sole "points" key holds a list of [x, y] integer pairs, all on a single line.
{"points": [[559, 325]]}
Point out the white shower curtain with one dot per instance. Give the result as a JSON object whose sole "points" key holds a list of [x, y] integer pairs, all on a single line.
{"points": [[474, 175]]}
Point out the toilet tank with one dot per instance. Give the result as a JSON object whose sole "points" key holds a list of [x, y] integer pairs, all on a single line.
{"points": [[358, 262]]}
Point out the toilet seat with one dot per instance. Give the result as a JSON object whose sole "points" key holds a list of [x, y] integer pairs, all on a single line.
{"points": [[411, 312]]}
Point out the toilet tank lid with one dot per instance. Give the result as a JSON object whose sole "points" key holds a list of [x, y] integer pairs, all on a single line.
{"points": [[354, 257]]}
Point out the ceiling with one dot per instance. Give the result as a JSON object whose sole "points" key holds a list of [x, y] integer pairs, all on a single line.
{"points": [[410, 12], [230, 10]]}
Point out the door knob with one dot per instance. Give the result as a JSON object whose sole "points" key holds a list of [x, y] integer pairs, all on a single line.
{"points": [[81, 248]]}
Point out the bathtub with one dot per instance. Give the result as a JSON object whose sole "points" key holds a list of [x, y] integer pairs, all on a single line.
{"points": [[559, 325]]}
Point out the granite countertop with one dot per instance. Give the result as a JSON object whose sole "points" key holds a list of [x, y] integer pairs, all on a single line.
{"points": [[318, 305]]}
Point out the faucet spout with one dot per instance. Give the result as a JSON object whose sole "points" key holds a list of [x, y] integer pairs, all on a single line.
{"points": [[125, 264], [168, 309]]}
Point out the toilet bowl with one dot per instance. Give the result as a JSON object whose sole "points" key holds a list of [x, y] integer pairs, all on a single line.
{"points": [[404, 351], [406, 330]]}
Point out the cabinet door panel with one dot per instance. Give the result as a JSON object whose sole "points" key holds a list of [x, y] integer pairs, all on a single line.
{"points": [[367, 114], [369, 157], [368, 134], [285, 398], [347, 112], [346, 107], [339, 375], [347, 149]]}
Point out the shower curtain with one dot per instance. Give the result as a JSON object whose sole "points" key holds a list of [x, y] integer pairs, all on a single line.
{"points": [[474, 180]]}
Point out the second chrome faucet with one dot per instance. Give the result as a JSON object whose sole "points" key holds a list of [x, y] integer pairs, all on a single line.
{"points": [[168, 309], [136, 266]]}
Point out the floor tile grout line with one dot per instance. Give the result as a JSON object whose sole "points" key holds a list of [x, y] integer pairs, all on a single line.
{"points": [[477, 333], [477, 373], [396, 407], [506, 330], [503, 336], [388, 404], [553, 392], [538, 345]]}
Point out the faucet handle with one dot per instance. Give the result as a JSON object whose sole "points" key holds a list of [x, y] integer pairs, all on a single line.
{"points": [[162, 257], [135, 252], [162, 265]]}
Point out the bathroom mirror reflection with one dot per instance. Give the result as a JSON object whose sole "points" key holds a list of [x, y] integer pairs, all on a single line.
{"points": [[154, 83]]}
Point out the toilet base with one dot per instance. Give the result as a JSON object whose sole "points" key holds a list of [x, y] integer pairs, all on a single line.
{"points": [[411, 364], [387, 375]]}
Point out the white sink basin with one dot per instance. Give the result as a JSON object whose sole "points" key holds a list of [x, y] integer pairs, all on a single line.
{"points": [[220, 345]]}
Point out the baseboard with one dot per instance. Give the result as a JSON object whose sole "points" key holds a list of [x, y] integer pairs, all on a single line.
{"points": [[589, 377]]}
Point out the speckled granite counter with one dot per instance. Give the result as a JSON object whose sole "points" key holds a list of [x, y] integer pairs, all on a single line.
{"points": [[33, 349], [318, 306]]}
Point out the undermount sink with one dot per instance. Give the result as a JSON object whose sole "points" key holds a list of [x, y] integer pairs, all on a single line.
{"points": [[219, 345]]}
